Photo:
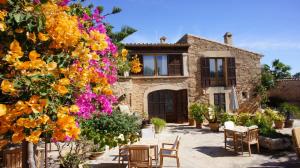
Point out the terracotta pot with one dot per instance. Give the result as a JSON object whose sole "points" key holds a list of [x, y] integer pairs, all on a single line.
{"points": [[289, 123], [279, 124], [192, 122], [214, 127], [198, 125]]}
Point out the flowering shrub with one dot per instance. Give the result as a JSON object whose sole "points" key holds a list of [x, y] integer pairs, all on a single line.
{"points": [[111, 130], [57, 66]]}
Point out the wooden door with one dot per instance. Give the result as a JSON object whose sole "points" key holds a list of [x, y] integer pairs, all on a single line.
{"points": [[169, 105]]}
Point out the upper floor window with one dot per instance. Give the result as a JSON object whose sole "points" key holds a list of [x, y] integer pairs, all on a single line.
{"points": [[216, 69], [218, 72], [161, 65]]}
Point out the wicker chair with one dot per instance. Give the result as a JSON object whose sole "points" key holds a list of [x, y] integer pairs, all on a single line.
{"points": [[170, 152], [139, 156], [296, 140], [228, 133], [250, 138]]}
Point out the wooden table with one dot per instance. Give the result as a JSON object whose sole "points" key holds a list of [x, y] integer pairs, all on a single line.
{"points": [[238, 131]]}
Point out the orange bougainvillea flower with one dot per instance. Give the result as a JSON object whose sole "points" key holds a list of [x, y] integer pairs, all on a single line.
{"points": [[3, 1], [124, 52], [19, 30], [74, 108], [62, 90], [7, 86], [34, 136], [43, 119], [51, 66], [64, 82], [43, 37], [3, 109], [18, 137], [3, 143], [33, 55], [4, 125], [31, 37], [34, 99]]}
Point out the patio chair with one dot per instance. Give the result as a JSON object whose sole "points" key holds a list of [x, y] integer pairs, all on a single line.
{"points": [[296, 140], [250, 138], [139, 156], [228, 133], [170, 152], [123, 153]]}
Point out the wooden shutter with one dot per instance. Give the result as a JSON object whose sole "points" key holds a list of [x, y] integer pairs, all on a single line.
{"points": [[174, 65], [231, 76], [205, 77]]}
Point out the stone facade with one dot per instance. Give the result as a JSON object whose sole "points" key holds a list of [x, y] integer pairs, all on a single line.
{"points": [[247, 76], [287, 90]]}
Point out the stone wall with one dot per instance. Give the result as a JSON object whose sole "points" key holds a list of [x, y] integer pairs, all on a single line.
{"points": [[138, 88], [247, 74], [247, 68], [288, 90]]}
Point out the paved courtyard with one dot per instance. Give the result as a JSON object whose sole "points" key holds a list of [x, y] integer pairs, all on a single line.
{"points": [[203, 148]]}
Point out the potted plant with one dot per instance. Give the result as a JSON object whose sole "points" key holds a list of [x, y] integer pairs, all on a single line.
{"points": [[212, 116], [97, 151], [159, 124], [289, 110], [279, 121], [197, 112]]}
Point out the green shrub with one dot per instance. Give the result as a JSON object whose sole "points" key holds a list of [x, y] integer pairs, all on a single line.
{"points": [[290, 110], [197, 111], [111, 130], [227, 117], [158, 122], [264, 122], [244, 119]]}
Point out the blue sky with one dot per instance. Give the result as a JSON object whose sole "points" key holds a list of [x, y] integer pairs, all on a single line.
{"points": [[270, 27]]}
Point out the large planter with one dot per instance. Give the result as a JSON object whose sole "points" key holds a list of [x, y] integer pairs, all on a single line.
{"points": [[192, 122], [199, 124], [275, 143], [214, 127], [289, 123], [96, 155], [158, 129], [279, 124]]}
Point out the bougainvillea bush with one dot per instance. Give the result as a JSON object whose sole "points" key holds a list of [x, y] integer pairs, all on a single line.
{"points": [[57, 66]]}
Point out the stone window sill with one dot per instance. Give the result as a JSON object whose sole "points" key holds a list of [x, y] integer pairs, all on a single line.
{"points": [[153, 77]]}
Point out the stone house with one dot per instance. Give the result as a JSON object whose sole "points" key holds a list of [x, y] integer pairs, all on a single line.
{"points": [[193, 69]]}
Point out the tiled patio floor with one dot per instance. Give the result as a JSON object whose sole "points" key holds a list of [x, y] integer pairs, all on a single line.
{"points": [[203, 148]]}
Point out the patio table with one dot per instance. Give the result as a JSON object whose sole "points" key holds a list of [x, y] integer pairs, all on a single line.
{"points": [[153, 150], [238, 131]]}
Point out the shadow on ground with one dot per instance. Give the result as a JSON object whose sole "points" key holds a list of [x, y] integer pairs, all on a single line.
{"points": [[186, 129], [112, 165], [215, 151]]}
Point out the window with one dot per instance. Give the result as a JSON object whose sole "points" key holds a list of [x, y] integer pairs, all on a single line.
{"points": [[161, 65], [219, 101], [148, 65], [216, 70]]}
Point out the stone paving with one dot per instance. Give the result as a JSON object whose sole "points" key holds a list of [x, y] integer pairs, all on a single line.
{"points": [[203, 148]]}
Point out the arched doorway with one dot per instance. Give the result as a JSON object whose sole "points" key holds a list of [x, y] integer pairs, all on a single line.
{"points": [[169, 105]]}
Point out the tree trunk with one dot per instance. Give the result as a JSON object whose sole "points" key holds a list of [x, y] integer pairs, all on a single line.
{"points": [[31, 160]]}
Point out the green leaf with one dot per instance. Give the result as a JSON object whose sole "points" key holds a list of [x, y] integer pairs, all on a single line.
{"points": [[18, 17], [116, 10]]}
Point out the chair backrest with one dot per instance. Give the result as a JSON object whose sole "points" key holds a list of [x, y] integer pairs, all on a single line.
{"points": [[229, 125], [139, 153], [176, 143], [12, 158], [252, 135], [296, 139]]}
